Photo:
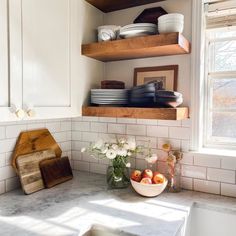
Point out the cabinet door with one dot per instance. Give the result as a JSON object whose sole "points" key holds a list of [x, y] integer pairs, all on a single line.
{"points": [[10, 62], [47, 31]]}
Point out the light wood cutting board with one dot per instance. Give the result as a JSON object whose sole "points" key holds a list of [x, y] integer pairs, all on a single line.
{"points": [[34, 141], [29, 171]]}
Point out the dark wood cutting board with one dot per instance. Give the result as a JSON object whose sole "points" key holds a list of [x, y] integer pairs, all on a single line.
{"points": [[29, 172], [55, 171]]}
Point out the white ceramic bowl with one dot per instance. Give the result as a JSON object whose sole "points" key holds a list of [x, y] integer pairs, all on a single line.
{"points": [[169, 27], [149, 190], [171, 16]]}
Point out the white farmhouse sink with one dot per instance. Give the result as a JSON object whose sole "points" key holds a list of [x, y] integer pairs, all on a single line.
{"points": [[98, 230], [210, 221]]}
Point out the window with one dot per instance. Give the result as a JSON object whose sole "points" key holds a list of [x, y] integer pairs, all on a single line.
{"points": [[220, 75]]}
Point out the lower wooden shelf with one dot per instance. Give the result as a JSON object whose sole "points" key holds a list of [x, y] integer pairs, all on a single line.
{"points": [[179, 113]]}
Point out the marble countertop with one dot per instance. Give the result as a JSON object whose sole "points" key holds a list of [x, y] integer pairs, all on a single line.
{"points": [[73, 207]]}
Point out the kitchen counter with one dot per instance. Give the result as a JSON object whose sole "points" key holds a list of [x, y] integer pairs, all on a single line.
{"points": [[73, 207]]}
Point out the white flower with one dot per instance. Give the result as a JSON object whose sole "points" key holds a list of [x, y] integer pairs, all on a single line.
{"points": [[151, 159], [128, 165], [83, 149], [114, 146], [131, 144], [122, 152], [98, 144], [129, 154], [104, 150], [122, 140], [111, 154]]}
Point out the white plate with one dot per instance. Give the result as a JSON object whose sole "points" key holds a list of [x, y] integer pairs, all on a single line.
{"points": [[109, 90], [138, 25], [136, 33]]}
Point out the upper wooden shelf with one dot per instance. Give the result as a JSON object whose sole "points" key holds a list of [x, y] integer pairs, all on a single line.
{"points": [[139, 47], [179, 113], [114, 5]]}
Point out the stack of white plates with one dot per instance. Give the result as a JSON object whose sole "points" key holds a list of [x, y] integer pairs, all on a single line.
{"points": [[169, 23], [136, 30], [109, 96]]}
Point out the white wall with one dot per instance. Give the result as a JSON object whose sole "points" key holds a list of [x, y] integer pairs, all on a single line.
{"points": [[124, 70]]}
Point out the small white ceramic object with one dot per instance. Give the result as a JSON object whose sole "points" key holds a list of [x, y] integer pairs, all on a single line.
{"points": [[149, 190], [171, 23], [171, 16], [108, 32]]}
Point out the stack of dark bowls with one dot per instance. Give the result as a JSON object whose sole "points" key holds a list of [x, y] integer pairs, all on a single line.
{"points": [[150, 95]]}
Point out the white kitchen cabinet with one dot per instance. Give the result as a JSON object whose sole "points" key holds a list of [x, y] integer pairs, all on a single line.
{"points": [[42, 70], [10, 70]]}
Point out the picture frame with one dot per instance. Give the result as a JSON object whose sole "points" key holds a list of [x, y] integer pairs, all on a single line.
{"points": [[168, 75]]}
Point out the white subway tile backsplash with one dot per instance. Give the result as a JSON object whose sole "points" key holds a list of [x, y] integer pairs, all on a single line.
{"points": [[162, 156], [7, 145], [146, 122], [185, 145], [98, 127], [107, 119], [157, 131], [145, 141], [36, 126], [186, 123], [2, 132], [187, 159], [179, 133], [60, 137], [81, 165], [126, 120], [228, 163], [2, 187], [53, 126], [116, 128], [76, 135], [187, 183], [98, 168], [89, 137], [80, 126], [206, 160], [206, 186], [136, 129], [90, 118], [141, 164], [12, 184], [194, 171], [2, 159], [89, 158], [13, 131], [169, 122], [228, 190], [6, 172], [226, 176], [162, 167]]}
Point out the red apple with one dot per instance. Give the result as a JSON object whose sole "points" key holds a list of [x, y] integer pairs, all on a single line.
{"points": [[147, 174], [158, 178], [146, 181], [136, 175]]}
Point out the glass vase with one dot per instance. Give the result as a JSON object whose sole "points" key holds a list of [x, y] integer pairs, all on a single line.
{"points": [[174, 177], [117, 177]]}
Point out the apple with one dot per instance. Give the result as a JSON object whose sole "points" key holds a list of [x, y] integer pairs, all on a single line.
{"points": [[158, 178], [146, 181], [136, 175], [147, 174]]}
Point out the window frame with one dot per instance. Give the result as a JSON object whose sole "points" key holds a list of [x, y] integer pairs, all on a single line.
{"points": [[199, 86]]}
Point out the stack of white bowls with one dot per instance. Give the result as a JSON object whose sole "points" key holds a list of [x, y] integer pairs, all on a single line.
{"points": [[169, 23]]}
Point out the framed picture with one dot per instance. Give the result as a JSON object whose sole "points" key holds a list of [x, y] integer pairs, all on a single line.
{"points": [[166, 75]]}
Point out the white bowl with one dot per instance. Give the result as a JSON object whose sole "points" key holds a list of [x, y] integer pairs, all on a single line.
{"points": [[171, 16], [149, 190], [170, 27]]}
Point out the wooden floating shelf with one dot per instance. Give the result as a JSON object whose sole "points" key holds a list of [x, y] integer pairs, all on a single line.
{"points": [[139, 47], [179, 113], [114, 5]]}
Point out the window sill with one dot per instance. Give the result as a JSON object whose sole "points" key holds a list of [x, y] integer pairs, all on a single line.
{"points": [[215, 152]]}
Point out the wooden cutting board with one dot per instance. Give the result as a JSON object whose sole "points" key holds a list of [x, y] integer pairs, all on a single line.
{"points": [[34, 141], [29, 171], [55, 171]]}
